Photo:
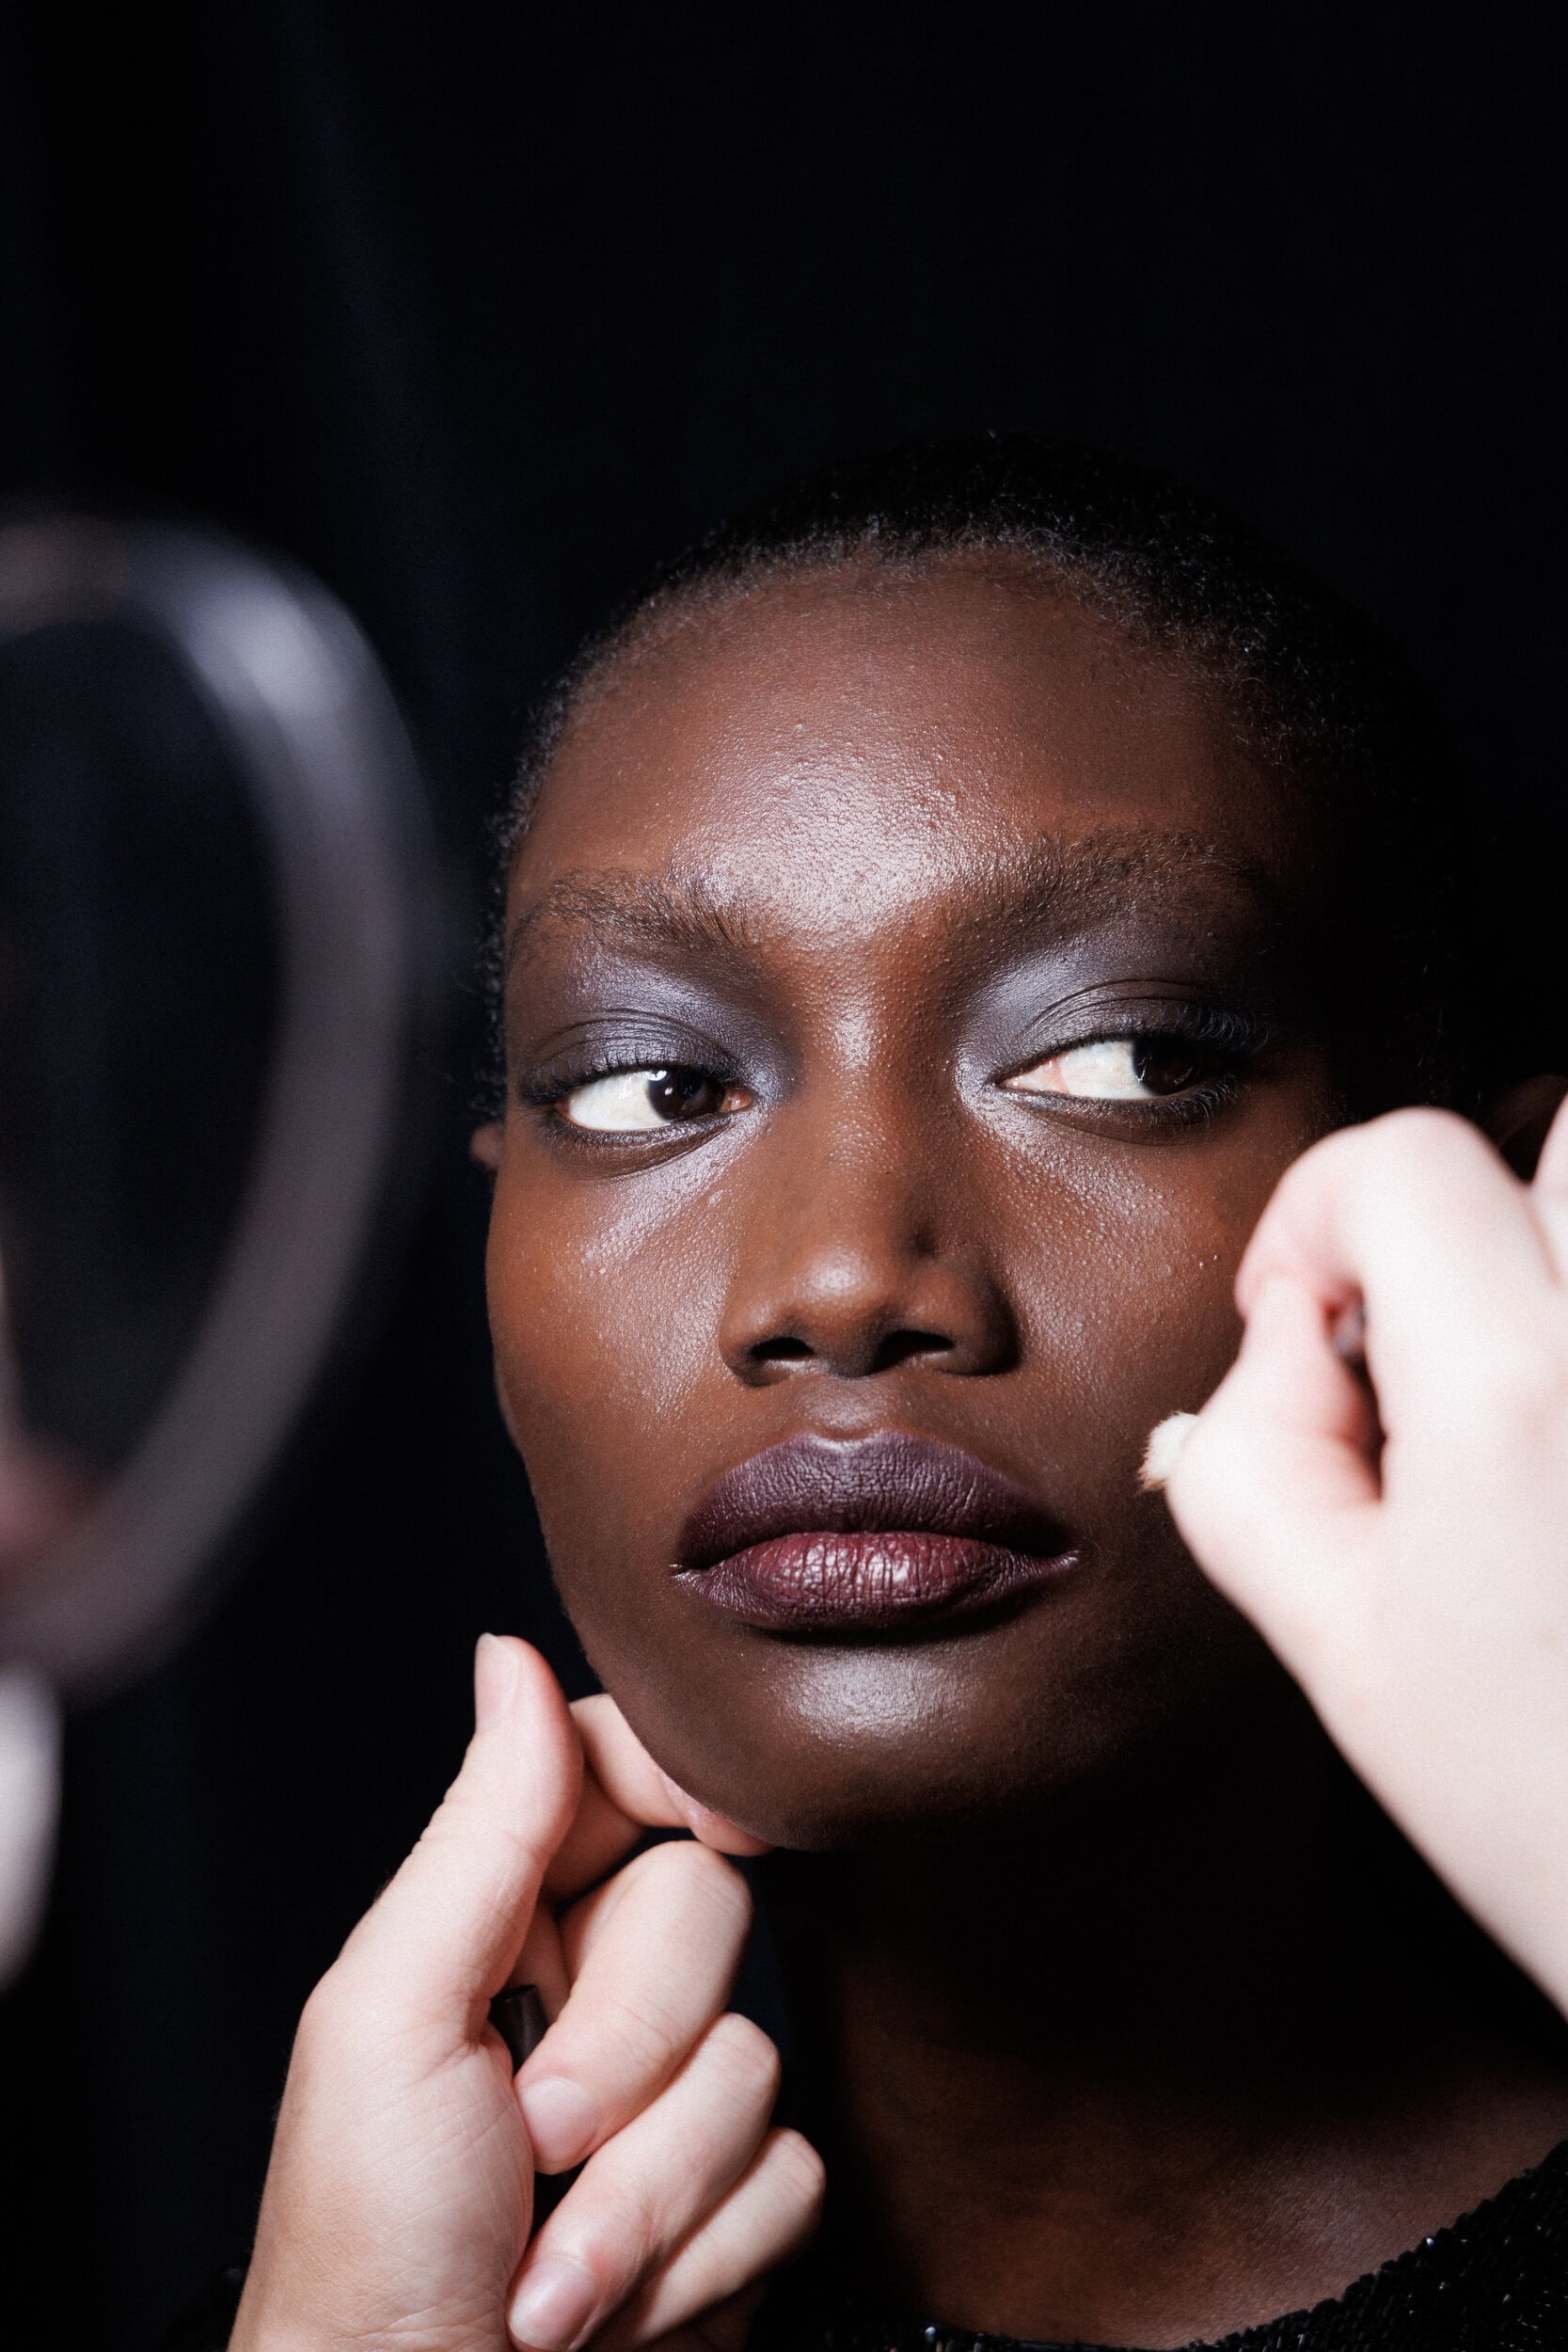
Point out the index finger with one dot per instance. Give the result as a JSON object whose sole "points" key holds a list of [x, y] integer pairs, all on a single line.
{"points": [[1419, 1216], [443, 1934], [623, 1794]]}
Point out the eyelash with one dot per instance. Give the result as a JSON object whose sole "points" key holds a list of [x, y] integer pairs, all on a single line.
{"points": [[547, 1088], [1231, 1034]]}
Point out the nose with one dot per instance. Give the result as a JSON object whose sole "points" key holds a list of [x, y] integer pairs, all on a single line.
{"points": [[859, 1258]]}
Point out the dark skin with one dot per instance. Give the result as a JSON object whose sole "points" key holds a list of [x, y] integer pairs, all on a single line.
{"points": [[1141, 2023]]}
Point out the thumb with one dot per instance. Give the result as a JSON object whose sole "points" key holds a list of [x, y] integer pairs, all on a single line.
{"points": [[1551, 1168], [1549, 1192], [1277, 1454], [641, 1790], [452, 1921]]}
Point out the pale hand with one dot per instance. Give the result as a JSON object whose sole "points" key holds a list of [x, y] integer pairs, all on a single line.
{"points": [[1421, 1597], [399, 2198]]}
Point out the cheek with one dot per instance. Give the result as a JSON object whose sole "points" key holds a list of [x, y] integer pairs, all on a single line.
{"points": [[607, 1299], [1122, 1276], [604, 1299]]}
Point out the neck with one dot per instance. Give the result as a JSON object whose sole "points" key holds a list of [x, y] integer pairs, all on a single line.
{"points": [[1182, 2051]]}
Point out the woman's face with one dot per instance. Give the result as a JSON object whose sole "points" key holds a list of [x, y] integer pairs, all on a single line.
{"points": [[905, 1033]]}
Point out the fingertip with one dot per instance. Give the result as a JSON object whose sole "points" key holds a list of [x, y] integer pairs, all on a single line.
{"points": [[496, 1678], [1278, 1456], [713, 1829], [794, 2153], [1200, 1462], [621, 1764], [552, 2305], [561, 2119], [535, 1692]]}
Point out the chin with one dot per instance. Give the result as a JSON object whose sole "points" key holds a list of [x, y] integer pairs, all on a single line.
{"points": [[852, 1748]]}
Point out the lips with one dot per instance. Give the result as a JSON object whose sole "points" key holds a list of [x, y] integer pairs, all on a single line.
{"points": [[883, 1533]]}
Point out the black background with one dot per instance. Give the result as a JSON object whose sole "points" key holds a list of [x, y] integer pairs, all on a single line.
{"points": [[477, 310]]}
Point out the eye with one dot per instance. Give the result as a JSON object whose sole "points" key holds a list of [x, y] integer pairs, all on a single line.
{"points": [[1121, 1069], [637, 1101]]}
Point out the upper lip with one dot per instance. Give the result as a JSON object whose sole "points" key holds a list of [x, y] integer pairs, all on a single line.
{"points": [[887, 1482]]}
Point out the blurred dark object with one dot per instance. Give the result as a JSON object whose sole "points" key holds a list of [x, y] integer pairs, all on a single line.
{"points": [[218, 935], [217, 941], [518, 2017], [478, 310], [137, 1026]]}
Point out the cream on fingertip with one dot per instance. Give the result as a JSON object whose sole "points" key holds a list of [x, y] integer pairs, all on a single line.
{"points": [[1164, 1450]]}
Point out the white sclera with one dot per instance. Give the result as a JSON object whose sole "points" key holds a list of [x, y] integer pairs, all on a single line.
{"points": [[1104, 1072], [617, 1106]]}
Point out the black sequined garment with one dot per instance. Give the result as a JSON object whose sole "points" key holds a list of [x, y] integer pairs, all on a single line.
{"points": [[1497, 2281]]}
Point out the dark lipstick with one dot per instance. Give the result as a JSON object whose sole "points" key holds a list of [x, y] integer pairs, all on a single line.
{"points": [[816, 1535]]}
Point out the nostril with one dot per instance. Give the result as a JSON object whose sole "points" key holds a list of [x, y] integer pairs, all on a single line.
{"points": [[897, 1347], [891, 1349]]}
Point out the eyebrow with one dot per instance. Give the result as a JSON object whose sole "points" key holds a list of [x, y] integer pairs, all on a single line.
{"points": [[1099, 874], [673, 910], [1093, 876]]}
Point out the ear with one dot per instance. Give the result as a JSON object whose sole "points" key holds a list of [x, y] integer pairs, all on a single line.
{"points": [[484, 1144], [1517, 1119]]}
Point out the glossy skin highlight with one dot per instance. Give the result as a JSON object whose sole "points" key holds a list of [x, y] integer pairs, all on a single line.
{"points": [[869, 848]]}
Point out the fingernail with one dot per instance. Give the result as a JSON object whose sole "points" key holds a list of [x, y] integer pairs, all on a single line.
{"points": [[553, 2306], [561, 2120], [495, 1677], [1161, 1455]]}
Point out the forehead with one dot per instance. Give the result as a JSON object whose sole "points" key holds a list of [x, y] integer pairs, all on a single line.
{"points": [[857, 735]]}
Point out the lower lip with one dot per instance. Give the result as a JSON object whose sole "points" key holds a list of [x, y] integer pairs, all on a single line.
{"points": [[865, 1583]]}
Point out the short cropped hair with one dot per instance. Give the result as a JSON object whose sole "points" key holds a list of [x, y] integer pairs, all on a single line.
{"points": [[1319, 697]]}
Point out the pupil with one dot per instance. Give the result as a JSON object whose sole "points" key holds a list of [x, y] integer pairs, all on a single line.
{"points": [[684, 1093], [1168, 1065]]}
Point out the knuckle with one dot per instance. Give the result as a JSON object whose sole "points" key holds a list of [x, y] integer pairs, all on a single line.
{"points": [[642, 2037], [336, 2030], [328, 2012], [697, 1875], [1418, 1126], [1415, 1136], [677, 1894], [612, 2257], [484, 1837], [619, 2241], [1401, 1147]]}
